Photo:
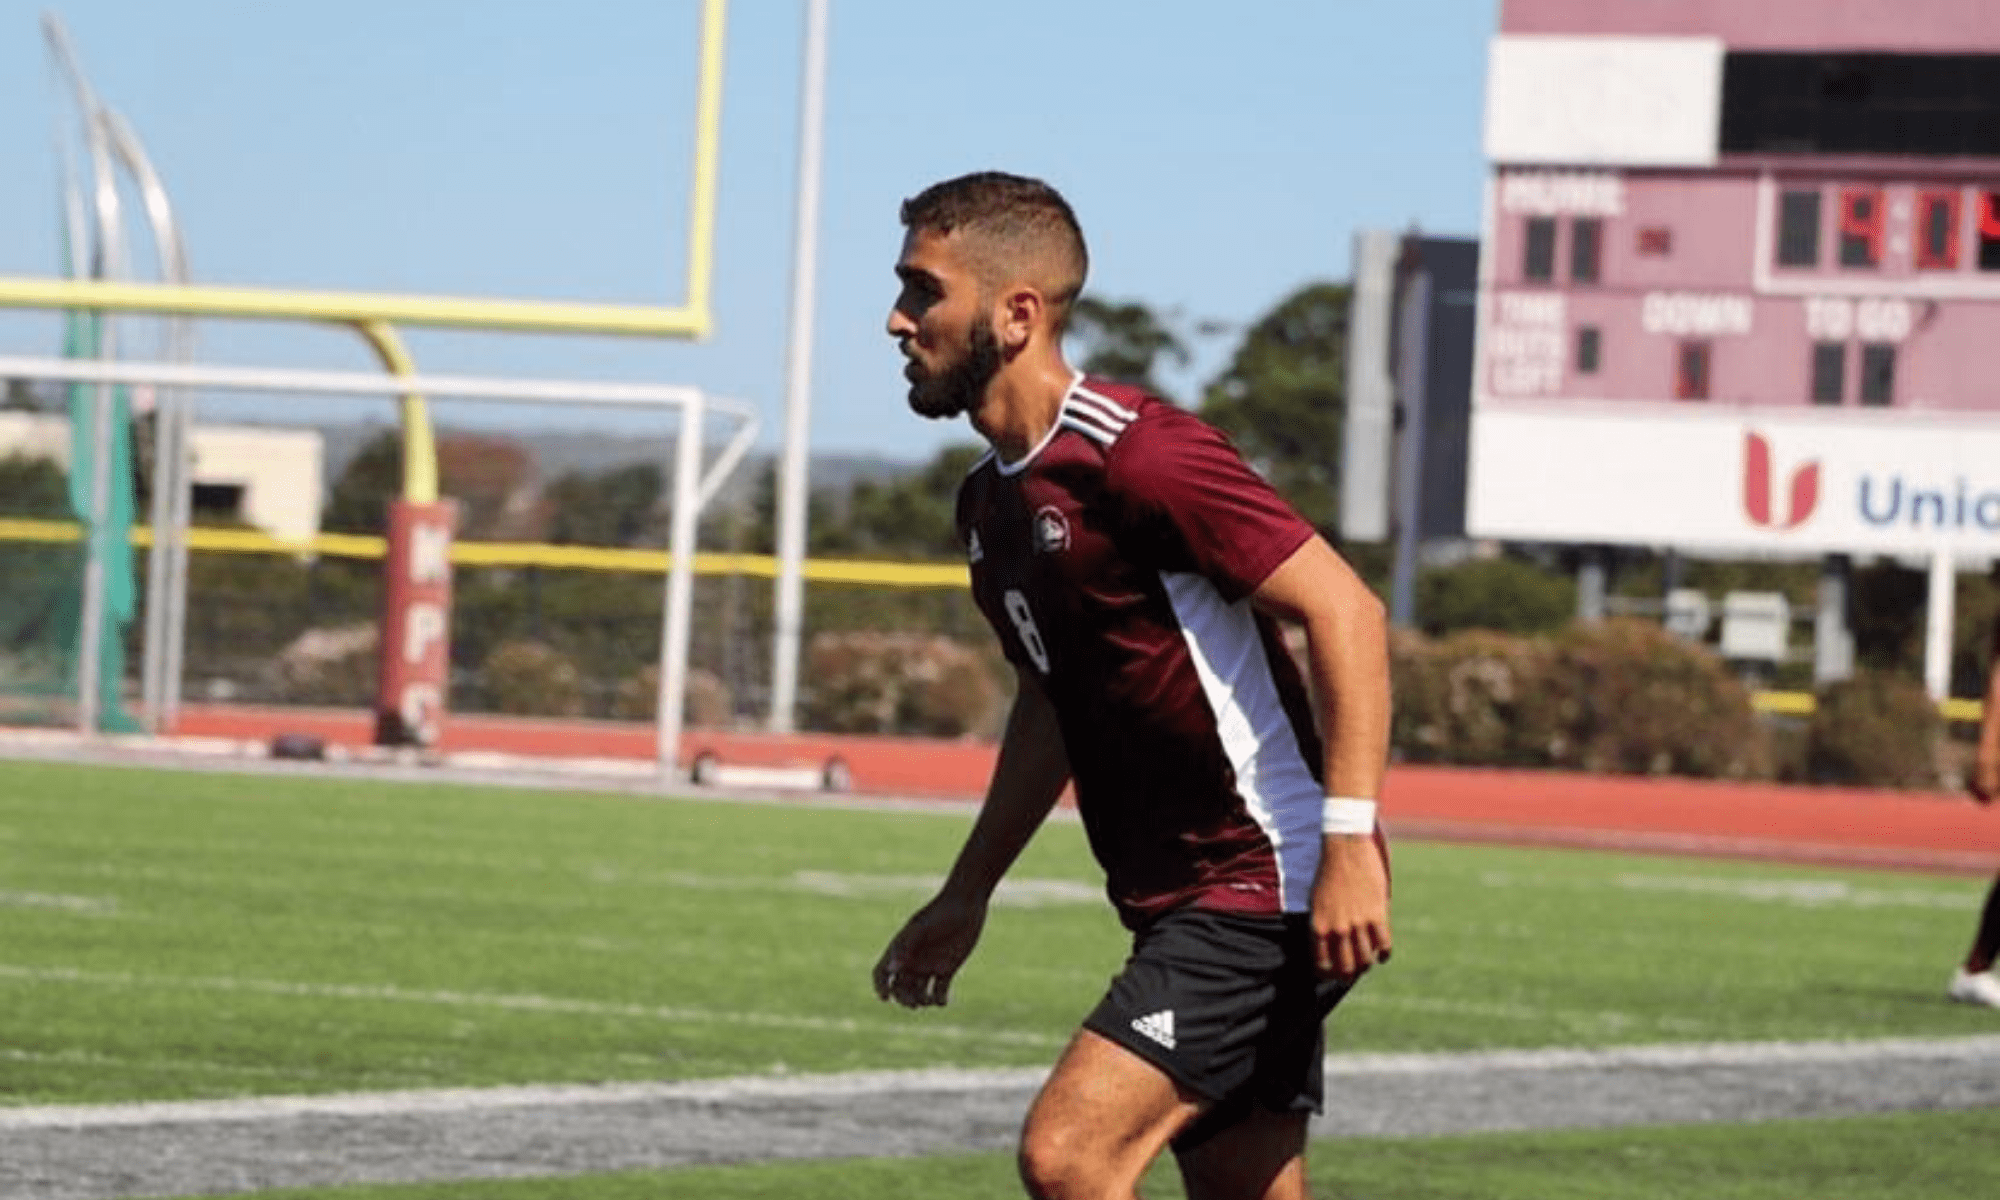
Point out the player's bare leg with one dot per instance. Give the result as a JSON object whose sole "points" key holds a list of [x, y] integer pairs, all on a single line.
{"points": [[1101, 1119], [1261, 1157]]}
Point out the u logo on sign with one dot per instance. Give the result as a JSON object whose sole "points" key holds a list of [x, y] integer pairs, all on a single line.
{"points": [[1757, 487]]}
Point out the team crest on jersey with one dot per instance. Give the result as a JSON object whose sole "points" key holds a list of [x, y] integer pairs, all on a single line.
{"points": [[1051, 530]]}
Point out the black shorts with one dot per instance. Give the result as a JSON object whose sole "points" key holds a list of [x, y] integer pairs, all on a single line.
{"points": [[1230, 1007]]}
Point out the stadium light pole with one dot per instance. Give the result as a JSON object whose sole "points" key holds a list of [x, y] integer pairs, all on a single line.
{"points": [[792, 481]]}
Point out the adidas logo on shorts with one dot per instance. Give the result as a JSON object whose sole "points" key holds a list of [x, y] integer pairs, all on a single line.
{"points": [[1158, 1026]]}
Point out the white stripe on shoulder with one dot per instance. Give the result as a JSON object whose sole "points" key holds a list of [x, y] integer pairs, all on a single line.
{"points": [[1112, 419], [1095, 433], [985, 458], [1112, 407]]}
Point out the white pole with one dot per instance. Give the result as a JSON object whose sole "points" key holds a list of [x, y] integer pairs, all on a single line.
{"points": [[108, 264], [166, 575], [1938, 623], [792, 482], [677, 618]]}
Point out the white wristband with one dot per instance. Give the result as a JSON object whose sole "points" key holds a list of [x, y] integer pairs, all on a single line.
{"points": [[1346, 814]]}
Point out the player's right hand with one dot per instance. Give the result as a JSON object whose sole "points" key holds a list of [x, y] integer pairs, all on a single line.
{"points": [[1350, 907], [917, 968]]}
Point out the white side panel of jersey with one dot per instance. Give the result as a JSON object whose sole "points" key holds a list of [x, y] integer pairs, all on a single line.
{"points": [[1256, 732]]}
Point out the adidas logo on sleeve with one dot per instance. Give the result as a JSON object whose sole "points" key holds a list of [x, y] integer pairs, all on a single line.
{"points": [[1157, 1026]]}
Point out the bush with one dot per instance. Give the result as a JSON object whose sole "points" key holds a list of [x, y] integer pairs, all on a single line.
{"points": [[1876, 729], [706, 700], [907, 683], [1469, 699], [335, 667], [530, 679], [1630, 698], [1622, 697]]}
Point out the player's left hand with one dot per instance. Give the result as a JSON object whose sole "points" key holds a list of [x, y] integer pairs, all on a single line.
{"points": [[917, 968], [1350, 907]]}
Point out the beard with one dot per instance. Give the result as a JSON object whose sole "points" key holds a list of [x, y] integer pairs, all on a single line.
{"points": [[961, 385]]}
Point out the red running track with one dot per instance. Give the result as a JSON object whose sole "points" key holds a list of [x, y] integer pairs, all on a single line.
{"points": [[1908, 830]]}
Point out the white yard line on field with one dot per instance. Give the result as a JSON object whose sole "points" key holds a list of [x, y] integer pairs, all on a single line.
{"points": [[88, 1058], [1858, 1054], [86, 905], [1804, 893], [517, 1002], [1581, 1022]]}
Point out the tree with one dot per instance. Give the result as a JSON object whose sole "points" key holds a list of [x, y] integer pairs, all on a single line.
{"points": [[1283, 396], [619, 507], [32, 487], [359, 499], [492, 478], [749, 524], [1123, 341], [22, 396], [911, 517]]}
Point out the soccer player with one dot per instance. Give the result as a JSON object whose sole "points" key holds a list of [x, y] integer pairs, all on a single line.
{"points": [[1132, 565], [1974, 982]]}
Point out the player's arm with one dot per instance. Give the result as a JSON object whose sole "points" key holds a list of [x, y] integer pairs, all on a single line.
{"points": [[1347, 652], [1028, 778]]}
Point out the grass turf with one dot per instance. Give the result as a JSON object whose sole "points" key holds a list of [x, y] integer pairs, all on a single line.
{"points": [[170, 935], [1932, 1156]]}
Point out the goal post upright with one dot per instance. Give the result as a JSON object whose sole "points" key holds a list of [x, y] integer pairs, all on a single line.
{"points": [[690, 319]]}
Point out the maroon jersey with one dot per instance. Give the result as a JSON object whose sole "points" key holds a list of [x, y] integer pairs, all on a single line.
{"points": [[1115, 562]]}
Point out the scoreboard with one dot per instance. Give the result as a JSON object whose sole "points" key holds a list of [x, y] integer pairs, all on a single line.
{"points": [[1739, 286]]}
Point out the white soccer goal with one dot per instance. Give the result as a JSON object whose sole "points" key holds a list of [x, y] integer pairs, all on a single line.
{"points": [[693, 484]]}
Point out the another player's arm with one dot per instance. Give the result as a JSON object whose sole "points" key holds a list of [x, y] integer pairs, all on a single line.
{"points": [[1986, 764], [1347, 651], [1028, 779]]}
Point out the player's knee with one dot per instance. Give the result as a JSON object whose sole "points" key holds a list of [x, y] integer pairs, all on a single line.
{"points": [[1054, 1166]]}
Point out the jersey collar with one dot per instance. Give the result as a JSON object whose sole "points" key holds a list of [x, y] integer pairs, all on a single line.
{"points": [[1021, 464]]}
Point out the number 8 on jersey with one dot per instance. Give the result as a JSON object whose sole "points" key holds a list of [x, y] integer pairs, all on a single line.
{"points": [[1024, 624]]}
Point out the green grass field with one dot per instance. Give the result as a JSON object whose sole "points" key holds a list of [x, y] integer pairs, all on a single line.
{"points": [[173, 935], [170, 935]]}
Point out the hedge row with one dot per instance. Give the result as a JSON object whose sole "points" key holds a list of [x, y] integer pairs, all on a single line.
{"points": [[1619, 697], [1622, 697], [1625, 697]]}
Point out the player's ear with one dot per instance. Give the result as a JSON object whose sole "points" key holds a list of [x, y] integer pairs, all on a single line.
{"points": [[1022, 309]]}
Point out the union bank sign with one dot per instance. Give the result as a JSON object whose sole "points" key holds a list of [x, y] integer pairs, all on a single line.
{"points": [[1768, 482]]}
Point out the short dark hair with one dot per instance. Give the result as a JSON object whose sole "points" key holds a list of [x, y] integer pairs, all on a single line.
{"points": [[1013, 218]]}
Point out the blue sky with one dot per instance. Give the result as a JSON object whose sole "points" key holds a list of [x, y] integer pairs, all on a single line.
{"points": [[1219, 156]]}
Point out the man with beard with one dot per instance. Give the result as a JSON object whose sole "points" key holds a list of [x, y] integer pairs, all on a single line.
{"points": [[1132, 566]]}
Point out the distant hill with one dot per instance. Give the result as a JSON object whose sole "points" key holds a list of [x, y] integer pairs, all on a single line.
{"points": [[558, 453]]}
